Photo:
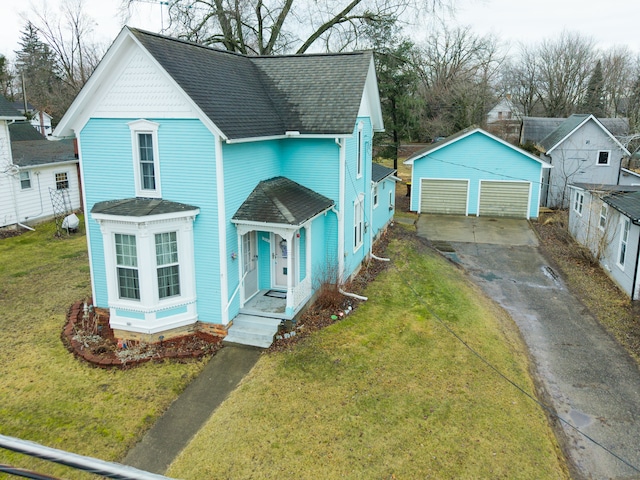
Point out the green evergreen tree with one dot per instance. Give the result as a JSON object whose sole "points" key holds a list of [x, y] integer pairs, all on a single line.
{"points": [[594, 97], [36, 64]]}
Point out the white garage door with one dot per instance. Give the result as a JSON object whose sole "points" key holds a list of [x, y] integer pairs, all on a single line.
{"points": [[444, 196], [504, 199]]}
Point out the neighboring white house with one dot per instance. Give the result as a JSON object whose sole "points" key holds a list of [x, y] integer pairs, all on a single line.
{"points": [[504, 120], [605, 219], [581, 150], [39, 119], [35, 173]]}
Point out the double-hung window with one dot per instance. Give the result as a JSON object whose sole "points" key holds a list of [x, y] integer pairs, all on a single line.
{"points": [[144, 139], [358, 222], [624, 238], [168, 268], [360, 151], [578, 202], [25, 179], [127, 266], [375, 195], [604, 212], [62, 181]]}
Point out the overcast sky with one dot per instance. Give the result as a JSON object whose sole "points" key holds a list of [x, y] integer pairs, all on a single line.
{"points": [[613, 22]]}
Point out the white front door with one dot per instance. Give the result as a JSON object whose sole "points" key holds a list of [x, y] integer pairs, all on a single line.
{"points": [[281, 252], [249, 265]]}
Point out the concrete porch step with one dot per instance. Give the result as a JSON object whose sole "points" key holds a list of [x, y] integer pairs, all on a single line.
{"points": [[252, 330]]}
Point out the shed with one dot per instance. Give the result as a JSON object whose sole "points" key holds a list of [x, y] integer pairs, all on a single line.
{"points": [[476, 173]]}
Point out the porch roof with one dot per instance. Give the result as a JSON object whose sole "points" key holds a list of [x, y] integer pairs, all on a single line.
{"points": [[280, 200]]}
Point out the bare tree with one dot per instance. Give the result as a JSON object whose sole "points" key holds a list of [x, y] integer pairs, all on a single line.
{"points": [[267, 27], [520, 80], [618, 69], [69, 34], [564, 67], [458, 69]]}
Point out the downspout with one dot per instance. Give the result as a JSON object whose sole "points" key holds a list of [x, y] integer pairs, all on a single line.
{"points": [[341, 195], [222, 233]]}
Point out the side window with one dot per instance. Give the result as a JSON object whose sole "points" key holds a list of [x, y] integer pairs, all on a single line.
{"points": [[25, 179], [604, 211], [146, 164], [375, 195], [358, 220], [624, 238], [578, 202], [127, 266], [603, 157], [360, 151], [168, 268], [62, 181]]}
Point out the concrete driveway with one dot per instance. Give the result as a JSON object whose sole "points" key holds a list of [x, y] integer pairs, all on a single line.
{"points": [[581, 372]]}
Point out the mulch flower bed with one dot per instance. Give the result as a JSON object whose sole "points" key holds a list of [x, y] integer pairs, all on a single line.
{"points": [[90, 338]]}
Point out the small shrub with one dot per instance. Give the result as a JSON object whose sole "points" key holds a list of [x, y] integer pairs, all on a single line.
{"points": [[329, 297]]}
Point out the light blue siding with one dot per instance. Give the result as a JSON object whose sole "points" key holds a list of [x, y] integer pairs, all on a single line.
{"points": [[186, 156], [383, 213], [171, 312], [354, 187], [477, 157]]}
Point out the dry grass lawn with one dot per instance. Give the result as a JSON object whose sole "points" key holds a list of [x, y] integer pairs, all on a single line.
{"points": [[48, 396], [387, 393]]}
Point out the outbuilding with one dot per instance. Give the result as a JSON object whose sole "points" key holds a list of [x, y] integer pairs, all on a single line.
{"points": [[476, 173]]}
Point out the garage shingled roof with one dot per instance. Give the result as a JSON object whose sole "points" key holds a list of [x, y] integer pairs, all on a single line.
{"points": [[250, 97], [280, 200]]}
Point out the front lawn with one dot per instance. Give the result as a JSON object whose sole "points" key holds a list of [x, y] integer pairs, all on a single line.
{"points": [[388, 392], [48, 396]]}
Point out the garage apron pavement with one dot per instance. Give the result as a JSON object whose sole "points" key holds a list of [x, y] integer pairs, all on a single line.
{"points": [[582, 373]]}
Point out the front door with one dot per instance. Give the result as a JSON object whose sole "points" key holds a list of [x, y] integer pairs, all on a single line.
{"points": [[249, 265], [281, 253]]}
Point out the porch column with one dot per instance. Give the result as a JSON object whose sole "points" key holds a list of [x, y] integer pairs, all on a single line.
{"points": [[290, 272]]}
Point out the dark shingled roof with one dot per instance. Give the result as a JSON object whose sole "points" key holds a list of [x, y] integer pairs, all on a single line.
{"points": [[7, 110], [615, 126], [626, 202], [265, 96], [21, 131], [534, 129], [32, 153], [380, 172], [282, 201], [140, 207], [599, 187]]}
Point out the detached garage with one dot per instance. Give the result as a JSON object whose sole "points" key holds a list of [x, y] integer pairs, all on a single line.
{"points": [[476, 173]]}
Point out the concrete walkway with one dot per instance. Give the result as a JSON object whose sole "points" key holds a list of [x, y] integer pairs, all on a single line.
{"points": [[188, 413], [586, 377]]}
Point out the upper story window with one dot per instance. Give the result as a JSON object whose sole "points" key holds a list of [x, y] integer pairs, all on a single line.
{"points": [[144, 139], [360, 151], [25, 179], [603, 157], [62, 181]]}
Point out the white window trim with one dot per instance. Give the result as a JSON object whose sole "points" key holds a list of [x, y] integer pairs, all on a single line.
{"points": [[358, 214], [20, 179], [55, 179], [375, 195], [602, 220], [140, 127], [144, 231], [359, 150], [608, 158], [578, 202], [625, 225]]}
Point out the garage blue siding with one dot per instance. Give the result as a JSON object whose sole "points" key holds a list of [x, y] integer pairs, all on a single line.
{"points": [[475, 157]]}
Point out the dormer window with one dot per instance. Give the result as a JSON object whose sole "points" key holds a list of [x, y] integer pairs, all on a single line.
{"points": [[146, 167]]}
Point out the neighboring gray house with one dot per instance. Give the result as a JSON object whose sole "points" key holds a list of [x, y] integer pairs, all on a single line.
{"points": [[535, 129], [606, 219], [581, 150]]}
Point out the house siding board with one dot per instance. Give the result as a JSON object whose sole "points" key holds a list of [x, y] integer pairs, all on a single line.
{"points": [[108, 171], [382, 214], [477, 157], [604, 245], [303, 155], [245, 165], [575, 161], [7, 182]]}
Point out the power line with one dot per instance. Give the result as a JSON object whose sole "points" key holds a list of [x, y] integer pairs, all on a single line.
{"points": [[495, 369]]}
